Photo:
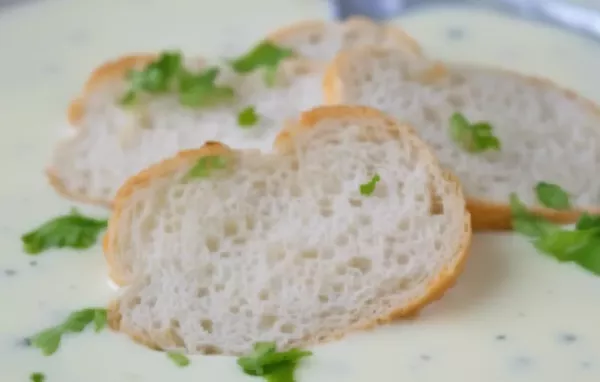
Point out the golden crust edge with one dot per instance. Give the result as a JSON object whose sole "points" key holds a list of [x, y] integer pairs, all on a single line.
{"points": [[434, 291], [486, 215], [402, 38], [139, 181]]}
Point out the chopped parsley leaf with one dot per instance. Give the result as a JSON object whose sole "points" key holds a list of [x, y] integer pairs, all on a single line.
{"points": [[157, 77], [369, 187], [205, 165], [73, 230], [274, 366], [248, 117], [474, 138], [168, 74], [178, 358], [265, 55], [552, 196], [37, 377], [48, 340], [580, 245]]}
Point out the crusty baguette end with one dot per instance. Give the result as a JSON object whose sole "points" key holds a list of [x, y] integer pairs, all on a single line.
{"points": [[339, 87]]}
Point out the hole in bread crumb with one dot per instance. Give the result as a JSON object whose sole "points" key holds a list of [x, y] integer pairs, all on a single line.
{"points": [[151, 302], [207, 325], [325, 212], [173, 335], [250, 222], [209, 349], [436, 206], [363, 264], [338, 288], [225, 255], [287, 328], [239, 240], [456, 101], [402, 259], [156, 325], [177, 193], [310, 254], [429, 114], [342, 240], [267, 321], [234, 309], [437, 245], [260, 186], [404, 225], [323, 298], [364, 219], [355, 202], [213, 243], [341, 269], [134, 302], [263, 295], [314, 38], [230, 228], [174, 323], [202, 292], [219, 287]]}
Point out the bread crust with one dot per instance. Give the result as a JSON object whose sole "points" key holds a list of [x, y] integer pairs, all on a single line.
{"points": [[486, 215], [283, 144], [354, 23], [107, 72], [117, 68]]}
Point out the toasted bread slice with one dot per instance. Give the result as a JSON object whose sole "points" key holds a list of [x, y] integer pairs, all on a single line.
{"points": [[547, 134], [110, 143], [322, 40], [296, 247]]}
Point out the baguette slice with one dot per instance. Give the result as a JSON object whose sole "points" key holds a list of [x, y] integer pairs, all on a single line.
{"points": [[321, 40], [547, 134], [284, 247], [110, 143]]}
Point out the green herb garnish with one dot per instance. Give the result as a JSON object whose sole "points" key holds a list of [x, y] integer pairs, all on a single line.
{"points": [[369, 187], [167, 74], [157, 77], [474, 138], [200, 90], [552, 196], [49, 339], [580, 245], [247, 117], [73, 230], [37, 377], [178, 358], [265, 55], [274, 366], [205, 165]]}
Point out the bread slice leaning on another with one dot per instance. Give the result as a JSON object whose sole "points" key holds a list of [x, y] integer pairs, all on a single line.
{"points": [[547, 134], [110, 142], [322, 40], [285, 247]]}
